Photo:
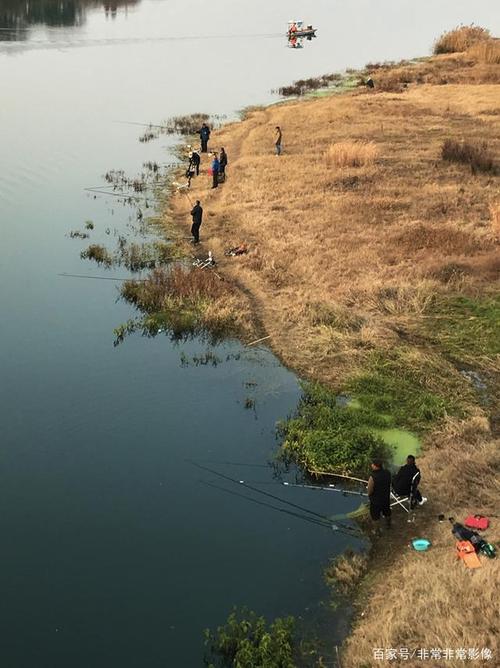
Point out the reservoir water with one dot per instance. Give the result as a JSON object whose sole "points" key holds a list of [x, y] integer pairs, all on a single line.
{"points": [[113, 551]]}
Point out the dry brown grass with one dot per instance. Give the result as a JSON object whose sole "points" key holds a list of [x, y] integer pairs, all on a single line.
{"points": [[351, 154], [495, 218], [487, 51], [476, 154], [342, 260], [460, 39]]}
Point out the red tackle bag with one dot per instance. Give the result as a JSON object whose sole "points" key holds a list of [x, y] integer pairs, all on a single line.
{"points": [[477, 522]]}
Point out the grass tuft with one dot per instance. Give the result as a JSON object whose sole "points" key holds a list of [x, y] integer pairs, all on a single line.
{"points": [[476, 154], [351, 154], [460, 39]]}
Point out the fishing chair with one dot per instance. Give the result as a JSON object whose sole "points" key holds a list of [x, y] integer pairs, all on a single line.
{"points": [[209, 262], [408, 499]]}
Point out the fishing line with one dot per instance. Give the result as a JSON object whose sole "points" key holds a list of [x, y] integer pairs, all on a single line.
{"points": [[215, 461], [259, 491], [330, 488], [326, 525]]}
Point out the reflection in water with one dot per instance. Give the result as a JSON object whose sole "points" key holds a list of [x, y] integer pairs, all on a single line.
{"points": [[17, 16]]}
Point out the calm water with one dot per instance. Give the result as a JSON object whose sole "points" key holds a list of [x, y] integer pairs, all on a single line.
{"points": [[113, 553]]}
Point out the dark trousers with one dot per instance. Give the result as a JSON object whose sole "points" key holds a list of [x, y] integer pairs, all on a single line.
{"points": [[204, 145], [215, 179], [195, 231], [377, 508], [222, 172]]}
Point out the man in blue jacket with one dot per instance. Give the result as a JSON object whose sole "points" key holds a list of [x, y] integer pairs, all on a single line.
{"points": [[215, 171], [204, 137]]}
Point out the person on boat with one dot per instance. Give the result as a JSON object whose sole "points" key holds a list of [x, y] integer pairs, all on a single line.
{"points": [[379, 492], [215, 171], [293, 28], [222, 164], [406, 480], [197, 215], [204, 137], [277, 143], [194, 162]]}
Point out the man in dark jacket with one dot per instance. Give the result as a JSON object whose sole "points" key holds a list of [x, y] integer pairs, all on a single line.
{"points": [[406, 480], [204, 137], [379, 492], [222, 164], [197, 214]]}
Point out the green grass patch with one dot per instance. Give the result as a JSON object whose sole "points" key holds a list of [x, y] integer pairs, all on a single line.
{"points": [[404, 388], [328, 436], [401, 390], [467, 329]]}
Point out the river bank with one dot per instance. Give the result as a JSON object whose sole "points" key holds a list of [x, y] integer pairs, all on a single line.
{"points": [[373, 268]]}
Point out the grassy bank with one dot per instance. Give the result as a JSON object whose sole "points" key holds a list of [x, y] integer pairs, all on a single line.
{"points": [[374, 267]]}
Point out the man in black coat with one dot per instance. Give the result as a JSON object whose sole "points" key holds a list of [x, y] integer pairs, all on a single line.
{"points": [[379, 492], [204, 137], [197, 215], [406, 480]]}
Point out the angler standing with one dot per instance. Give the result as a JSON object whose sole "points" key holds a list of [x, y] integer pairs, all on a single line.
{"points": [[379, 492], [277, 143], [215, 171], [204, 137], [194, 162], [222, 164], [197, 215]]}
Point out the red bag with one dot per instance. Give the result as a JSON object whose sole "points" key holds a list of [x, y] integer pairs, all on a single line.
{"points": [[477, 522]]}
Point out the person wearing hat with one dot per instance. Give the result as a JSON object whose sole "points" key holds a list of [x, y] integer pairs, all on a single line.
{"points": [[379, 492], [194, 162]]}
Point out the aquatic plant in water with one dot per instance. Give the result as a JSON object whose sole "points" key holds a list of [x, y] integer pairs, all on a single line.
{"points": [[247, 641]]}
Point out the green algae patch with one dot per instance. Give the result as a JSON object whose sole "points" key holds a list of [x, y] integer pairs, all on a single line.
{"points": [[401, 443]]}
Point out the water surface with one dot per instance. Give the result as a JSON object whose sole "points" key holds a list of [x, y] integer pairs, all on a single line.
{"points": [[113, 552]]}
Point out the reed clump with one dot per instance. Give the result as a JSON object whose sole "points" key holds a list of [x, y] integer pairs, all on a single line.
{"points": [[351, 154], [477, 154], [486, 51], [188, 301], [460, 39], [303, 86], [99, 254], [345, 571]]}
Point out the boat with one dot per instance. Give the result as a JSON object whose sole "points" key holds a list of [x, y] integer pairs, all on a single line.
{"points": [[297, 29]]}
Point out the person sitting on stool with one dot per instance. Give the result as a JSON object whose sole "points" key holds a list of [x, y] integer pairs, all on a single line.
{"points": [[406, 480]]}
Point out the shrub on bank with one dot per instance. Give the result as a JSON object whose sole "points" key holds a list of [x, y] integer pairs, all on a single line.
{"points": [[460, 39]]}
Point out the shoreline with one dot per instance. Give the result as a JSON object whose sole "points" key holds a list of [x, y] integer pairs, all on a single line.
{"points": [[467, 431]]}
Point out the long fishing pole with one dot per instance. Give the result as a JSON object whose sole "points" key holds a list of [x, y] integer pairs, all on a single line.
{"points": [[338, 527], [123, 195], [103, 278], [312, 520], [338, 475], [258, 491], [329, 488]]}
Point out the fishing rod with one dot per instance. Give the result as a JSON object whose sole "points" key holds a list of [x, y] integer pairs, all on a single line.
{"points": [[323, 518], [123, 195], [103, 278], [338, 475], [312, 520], [329, 488], [258, 491], [346, 530]]}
